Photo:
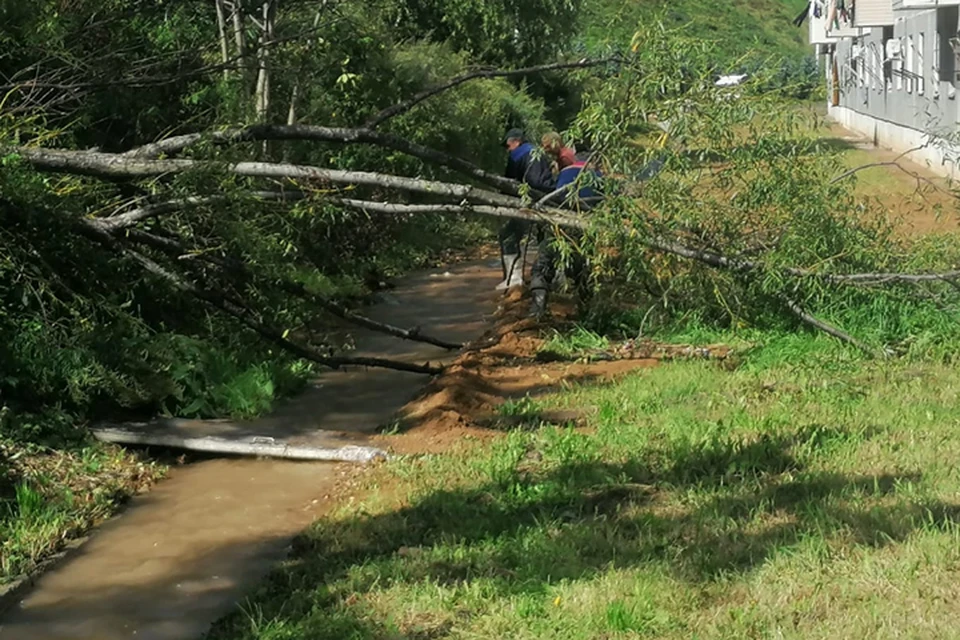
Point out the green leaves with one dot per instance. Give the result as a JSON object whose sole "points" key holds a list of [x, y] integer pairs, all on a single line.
{"points": [[748, 176]]}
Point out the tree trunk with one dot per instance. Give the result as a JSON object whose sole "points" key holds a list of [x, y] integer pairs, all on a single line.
{"points": [[294, 95], [176, 144], [119, 166], [222, 29], [262, 99], [264, 446], [238, 37]]}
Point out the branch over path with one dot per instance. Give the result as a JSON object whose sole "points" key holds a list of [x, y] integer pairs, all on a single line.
{"points": [[177, 144], [111, 165]]}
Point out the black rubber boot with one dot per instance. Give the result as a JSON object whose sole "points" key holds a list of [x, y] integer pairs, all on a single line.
{"points": [[538, 306]]}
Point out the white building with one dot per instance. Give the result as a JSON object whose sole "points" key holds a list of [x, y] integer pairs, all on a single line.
{"points": [[892, 70]]}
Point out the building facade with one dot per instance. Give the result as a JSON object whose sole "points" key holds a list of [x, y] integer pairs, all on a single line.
{"points": [[892, 73]]}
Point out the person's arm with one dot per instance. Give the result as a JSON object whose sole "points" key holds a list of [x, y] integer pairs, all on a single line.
{"points": [[511, 170], [540, 175], [564, 179]]}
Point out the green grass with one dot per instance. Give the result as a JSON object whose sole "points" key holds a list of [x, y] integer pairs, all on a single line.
{"points": [[741, 26], [574, 343], [50, 496], [807, 494]]}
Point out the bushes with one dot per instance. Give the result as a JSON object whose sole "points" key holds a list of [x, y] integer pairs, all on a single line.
{"points": [[748, 179]]}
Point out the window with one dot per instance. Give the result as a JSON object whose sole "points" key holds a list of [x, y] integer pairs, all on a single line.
{"points": [[920, 70], [886, 61], [911, 53]]}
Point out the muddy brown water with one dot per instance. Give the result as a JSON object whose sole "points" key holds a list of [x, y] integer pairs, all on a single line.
{"points": [[184, 554]]}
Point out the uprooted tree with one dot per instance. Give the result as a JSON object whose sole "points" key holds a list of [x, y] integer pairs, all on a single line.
{"points": [[748, 219]]}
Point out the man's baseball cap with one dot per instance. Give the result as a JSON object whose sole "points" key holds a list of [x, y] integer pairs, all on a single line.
{"points": [[513, 134]]}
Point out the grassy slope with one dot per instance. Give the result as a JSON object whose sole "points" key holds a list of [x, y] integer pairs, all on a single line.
{"points": [[794, 497], [743, 25], [808, 494]]}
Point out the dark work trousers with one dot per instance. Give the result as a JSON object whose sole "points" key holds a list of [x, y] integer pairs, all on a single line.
{"points": [[544, 272], [511, 236]]}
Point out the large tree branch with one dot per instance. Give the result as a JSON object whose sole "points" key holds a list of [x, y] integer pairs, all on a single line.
{"points": [[176, 144], [415, 334], [720, 261], [468, 198], [130, 218], [92, 231], [413, 101], [827, 328], [550, 217], [108, 165]]}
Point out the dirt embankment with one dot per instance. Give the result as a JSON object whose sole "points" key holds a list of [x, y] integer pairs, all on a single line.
{"points": [[507, 362]]}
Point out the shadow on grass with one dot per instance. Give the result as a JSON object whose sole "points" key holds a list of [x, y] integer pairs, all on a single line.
{"points": [[537, 524]]}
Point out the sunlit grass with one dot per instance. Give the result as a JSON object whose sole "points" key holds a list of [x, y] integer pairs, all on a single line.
{"points": [[807, 494], [48, 497]]}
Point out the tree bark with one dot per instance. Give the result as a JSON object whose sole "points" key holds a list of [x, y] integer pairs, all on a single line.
{"points": [[294, 97], [108, 165], [177, 144], [222, 30], [239, 37], [262, 96], [264, 447]]}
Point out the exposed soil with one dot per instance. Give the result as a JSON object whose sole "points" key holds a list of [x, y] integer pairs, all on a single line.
{"points": [[506, 363]]}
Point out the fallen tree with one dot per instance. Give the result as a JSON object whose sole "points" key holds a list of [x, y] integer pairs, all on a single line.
{"points": [[630, 212], [461, 198], [260, 446]]}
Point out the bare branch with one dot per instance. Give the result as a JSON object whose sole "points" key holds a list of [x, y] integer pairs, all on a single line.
{"points": [[415, 334], [234, 265], [130, 218], [108, 165], [885, 278], [737, 264], [896, 164], [176, 144], [264, 330], [554, 216], [829, 329]]}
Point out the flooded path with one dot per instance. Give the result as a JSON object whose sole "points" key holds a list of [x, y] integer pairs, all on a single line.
{"points": [[185, 553]]}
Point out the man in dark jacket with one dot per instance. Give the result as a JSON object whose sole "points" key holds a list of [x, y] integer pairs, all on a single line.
{"points": [[532, 167]]}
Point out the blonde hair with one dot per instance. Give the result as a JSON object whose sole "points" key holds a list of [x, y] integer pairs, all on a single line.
{"points": [[551, 141]]}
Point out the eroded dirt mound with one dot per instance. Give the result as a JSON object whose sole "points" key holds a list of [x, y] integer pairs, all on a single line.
{"points": [[502, 364]]}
